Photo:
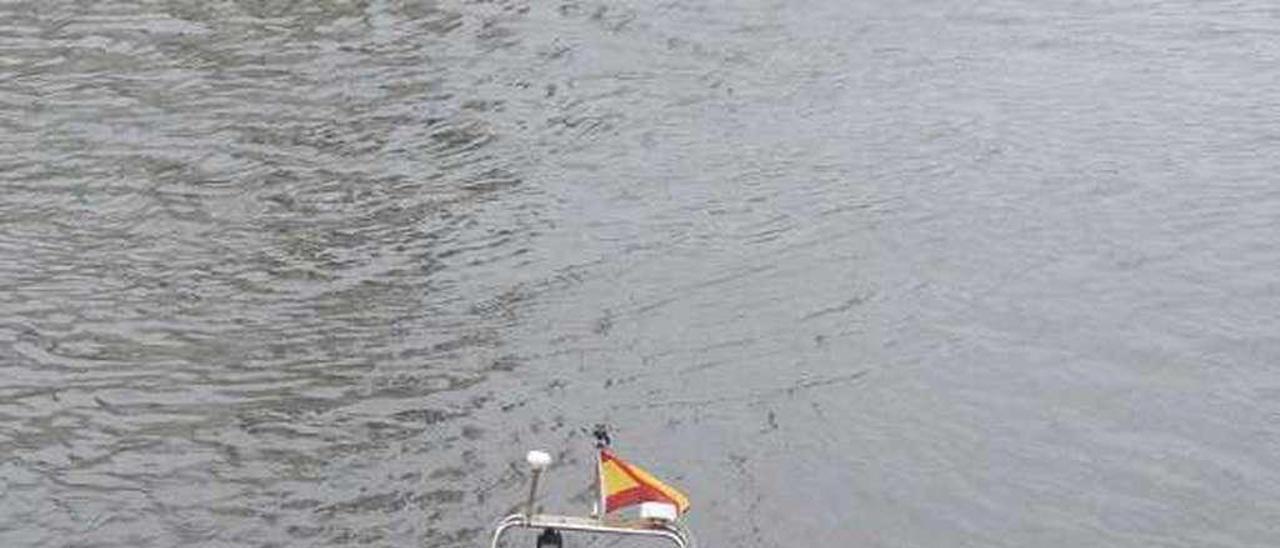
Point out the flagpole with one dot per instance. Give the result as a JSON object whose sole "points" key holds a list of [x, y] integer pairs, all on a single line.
{"points": [[599, 485], [601, 434]]}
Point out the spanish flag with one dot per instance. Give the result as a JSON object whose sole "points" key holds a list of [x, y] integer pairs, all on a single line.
{"points": [[623, 484]]}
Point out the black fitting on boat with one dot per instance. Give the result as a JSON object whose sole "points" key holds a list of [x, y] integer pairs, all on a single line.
{"points": [[550, 538], [601, 433]]}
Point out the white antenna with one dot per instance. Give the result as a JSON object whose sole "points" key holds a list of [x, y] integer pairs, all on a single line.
{"points": [[538, 461]]}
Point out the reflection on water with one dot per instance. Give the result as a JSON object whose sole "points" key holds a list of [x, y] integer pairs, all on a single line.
{"points": [[296, 273]]}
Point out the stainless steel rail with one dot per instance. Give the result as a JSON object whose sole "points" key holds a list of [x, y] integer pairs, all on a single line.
{"points": [[666, 531]]}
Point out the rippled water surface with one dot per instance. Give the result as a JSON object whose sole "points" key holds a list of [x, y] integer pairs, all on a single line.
{"points": [[851, 273]]}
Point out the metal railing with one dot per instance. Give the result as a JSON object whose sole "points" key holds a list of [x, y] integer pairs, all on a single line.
{"points": [[667, 531]]}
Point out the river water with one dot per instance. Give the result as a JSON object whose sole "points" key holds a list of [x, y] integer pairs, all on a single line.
{"points": [[873, 273]]}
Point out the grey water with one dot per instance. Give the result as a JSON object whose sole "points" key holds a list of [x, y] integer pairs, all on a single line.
{"points": [[850, 273]]}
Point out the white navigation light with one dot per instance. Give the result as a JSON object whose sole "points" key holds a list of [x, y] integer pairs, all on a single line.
{"points": [[659, 511], [538, 460]]}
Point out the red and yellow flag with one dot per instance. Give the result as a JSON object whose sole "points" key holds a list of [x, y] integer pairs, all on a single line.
{"points": [[624, 484]]}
